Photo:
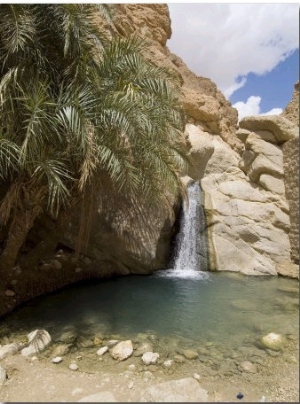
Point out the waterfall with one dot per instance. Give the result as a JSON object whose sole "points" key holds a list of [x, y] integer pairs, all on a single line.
{"points": [[190, 258]]}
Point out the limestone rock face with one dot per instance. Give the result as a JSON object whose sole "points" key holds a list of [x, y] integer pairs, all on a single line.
{"points": [[249, 175], [127, 238], [203, 102], [148, 20], [291, 173], [246, 209], [291, 181], [282, 128], [273, 162]]}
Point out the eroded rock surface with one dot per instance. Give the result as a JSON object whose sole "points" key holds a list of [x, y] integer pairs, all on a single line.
{"points": [[247, 212]]}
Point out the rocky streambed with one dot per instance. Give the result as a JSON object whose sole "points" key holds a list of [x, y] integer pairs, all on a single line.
{"points": [[67, 367]]}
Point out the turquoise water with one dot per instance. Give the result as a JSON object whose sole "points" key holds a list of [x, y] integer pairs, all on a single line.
{"points": [[227, 309]]}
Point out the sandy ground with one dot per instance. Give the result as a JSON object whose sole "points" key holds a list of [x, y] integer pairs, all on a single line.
{"points": [[40, 380]]}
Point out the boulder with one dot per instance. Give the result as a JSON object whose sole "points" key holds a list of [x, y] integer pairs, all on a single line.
{"points": [[282, 128], [38, 340], [122, 350], [149, 358], [190, 354], [273, 341]]}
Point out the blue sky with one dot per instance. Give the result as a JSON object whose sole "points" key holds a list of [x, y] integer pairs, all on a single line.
{"points": [[251, 51]]}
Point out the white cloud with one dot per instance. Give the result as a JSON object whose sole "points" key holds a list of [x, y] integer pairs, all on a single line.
{"points": [[252, 107], [226, 42]]}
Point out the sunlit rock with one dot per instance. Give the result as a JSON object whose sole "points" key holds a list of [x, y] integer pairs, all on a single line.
{"points": [[168, 363], [57, 359], [102, 350], [273, 341], [38, 340], [149, 358], [73, 366], [122, 350]]}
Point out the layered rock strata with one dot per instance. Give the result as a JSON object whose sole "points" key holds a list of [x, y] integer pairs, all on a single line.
{"points": [[247, 212]]}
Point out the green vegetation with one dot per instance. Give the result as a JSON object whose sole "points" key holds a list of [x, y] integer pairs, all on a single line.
{"points": [[78, 113]]}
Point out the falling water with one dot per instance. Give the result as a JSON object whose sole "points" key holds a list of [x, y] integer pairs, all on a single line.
{"points": [[190, 255]]}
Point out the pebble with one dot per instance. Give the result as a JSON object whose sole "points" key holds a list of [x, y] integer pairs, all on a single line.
{"points": [[168, 363], [130, 385], [247, 366], [190, 354], [102, 350], [57, 359], [73, 366], [196, 376]]}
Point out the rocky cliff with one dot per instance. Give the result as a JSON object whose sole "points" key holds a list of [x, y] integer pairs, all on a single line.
{"points": [[249, 184], [245, 172], [248, 174]]}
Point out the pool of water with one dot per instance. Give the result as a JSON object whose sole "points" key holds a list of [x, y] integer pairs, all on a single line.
{"points": [[226, 309]]}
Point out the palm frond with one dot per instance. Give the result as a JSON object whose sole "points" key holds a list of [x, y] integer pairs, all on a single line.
{"points": [[9, 159], [56, 174]]}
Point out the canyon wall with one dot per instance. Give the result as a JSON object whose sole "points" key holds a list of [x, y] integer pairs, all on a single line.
{"points": [[248, 172], [244, 169]]}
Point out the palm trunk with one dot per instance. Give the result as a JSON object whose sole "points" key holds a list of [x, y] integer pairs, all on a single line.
{"points": [[21, 223]]}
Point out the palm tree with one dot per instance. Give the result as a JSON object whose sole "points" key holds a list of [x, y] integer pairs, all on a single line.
{"points": [[76, 108]]}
